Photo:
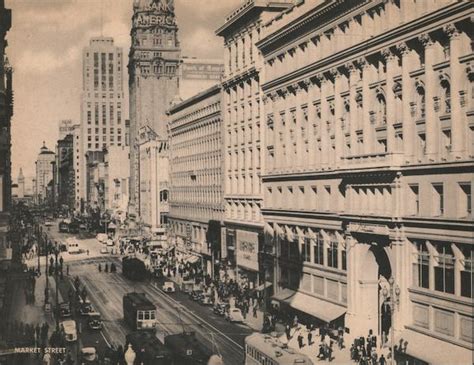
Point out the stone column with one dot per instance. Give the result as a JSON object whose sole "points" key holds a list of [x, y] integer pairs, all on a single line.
{"points": [[458, 131], [310, 87], [300, 161], [409, 130], [277, 101], [391, 64], [323, 125], [338, 106], [367, 103], [353, 79], [431, 124]]}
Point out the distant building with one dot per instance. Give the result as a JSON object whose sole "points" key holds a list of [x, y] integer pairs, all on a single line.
{"points": [[196, 173], [21, 185], [154, 178], [102, 105], [65, 127], [153, 79], [65, 172], [117, 174], [95, 173], [44, 173]]}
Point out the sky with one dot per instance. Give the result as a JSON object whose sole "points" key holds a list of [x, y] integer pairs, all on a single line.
{"points": [[45, 46]]}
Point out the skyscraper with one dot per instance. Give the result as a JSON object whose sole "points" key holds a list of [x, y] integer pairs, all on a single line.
{"points": [[102, 115], [153, 77]]}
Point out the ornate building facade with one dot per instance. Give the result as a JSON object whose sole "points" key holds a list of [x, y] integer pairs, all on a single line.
{"points": [[196, 180], [65, 172], [44, 173], [243, 137], [368, 131], [153, 78]]}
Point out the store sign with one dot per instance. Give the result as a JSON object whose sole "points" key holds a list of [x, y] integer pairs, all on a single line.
{"points": [[146, 20], [202, 71], [247, 250], [369, 228]]}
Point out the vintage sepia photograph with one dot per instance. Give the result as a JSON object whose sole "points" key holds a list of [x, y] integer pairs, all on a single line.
{"points": [[236, 182]]}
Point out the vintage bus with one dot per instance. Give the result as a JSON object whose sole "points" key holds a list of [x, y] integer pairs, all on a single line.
{"points": [[269, 350], [139, 312]]}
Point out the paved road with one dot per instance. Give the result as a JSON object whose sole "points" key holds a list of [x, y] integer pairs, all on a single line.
{"points": [[176, 312]]}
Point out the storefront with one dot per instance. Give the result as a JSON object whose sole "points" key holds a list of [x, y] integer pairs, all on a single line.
{"points": [[246, 253]]}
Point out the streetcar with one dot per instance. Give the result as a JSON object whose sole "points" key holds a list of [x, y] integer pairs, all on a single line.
{"points": [[138, 312], [264, 348], [186, 349], [134, 269], [64, 226], [149, 349]]}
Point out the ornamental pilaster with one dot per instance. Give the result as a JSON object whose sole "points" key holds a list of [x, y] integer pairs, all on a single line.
{"points": [[458, 126], [431, 122], [391, 62], [338, 112]]}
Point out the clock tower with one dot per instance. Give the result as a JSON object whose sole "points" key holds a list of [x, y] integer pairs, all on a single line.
{"points": [[153, 77]]}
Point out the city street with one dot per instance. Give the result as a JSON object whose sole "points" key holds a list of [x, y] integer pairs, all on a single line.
{"points": [[176, 312]]}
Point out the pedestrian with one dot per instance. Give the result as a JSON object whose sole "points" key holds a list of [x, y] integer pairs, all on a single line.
{"points": [[310, 338], [87, 252], [255, 311], [300, 340], [295, 321], [67, 270], [382, 360], [288, 332]]}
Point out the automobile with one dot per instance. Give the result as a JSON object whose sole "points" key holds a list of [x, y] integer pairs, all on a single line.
{"points": [[104, 250], [234, 315], [102, 237], [110, 243], [86, 308], [88, 354], [64, 310], [94, 321], [72, 246], [48, 223], [168, 287], [196, 294], [219, 308], [69, 329], [205, 299]]}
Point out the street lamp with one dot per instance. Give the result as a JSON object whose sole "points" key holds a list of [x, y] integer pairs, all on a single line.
{"points": [[393, 297]]}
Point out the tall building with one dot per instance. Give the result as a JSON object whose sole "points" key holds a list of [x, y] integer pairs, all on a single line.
{"points": [[196, 179], [65, 172], [117, 174], [368, 177], [154, 178], [44, 173], [65, 127], [21, 184], [153, 77], [102, 105], [242, 110]]}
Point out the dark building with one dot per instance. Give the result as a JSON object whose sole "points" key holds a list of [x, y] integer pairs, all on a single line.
{"points": [[65, 171], [6, 112], [153, 76]]}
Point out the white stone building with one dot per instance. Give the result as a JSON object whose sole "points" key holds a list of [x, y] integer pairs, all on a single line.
{"points": [[368, 169]]}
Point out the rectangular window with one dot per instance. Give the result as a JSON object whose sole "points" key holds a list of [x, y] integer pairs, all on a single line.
{"points": [[444, 271], [422, 266], [464, 200], [318, 251], [327, 201], [306, 249], [414, 199], [343, 260], [332, 254], [438, 199]]}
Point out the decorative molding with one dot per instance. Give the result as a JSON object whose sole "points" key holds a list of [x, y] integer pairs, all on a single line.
{"points": [[451, 31], [426, 40]]}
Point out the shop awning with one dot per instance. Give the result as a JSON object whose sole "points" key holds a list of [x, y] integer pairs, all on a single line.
{"points": [[316, 307], [321, 309], [440, 352], [263, 286]]}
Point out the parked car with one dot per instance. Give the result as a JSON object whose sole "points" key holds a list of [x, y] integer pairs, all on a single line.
{"points": [[88, 354], [205, 299], [102, 237], [64, 310], [219, 308], [195, 294], [234, 315], [94, 321], [69, 329], [169, 287], [85, 308], [104, 250], [48, 223]]}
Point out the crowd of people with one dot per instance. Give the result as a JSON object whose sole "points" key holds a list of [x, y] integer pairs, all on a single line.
{"points": [[21, 334]]}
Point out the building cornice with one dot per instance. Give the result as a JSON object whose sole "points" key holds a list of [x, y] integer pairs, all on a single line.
{"points": [[213, 90], [450, 13]]}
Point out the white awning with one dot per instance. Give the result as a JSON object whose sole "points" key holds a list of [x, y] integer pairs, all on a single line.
{"points": [[321, 309], [440, 352]]}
